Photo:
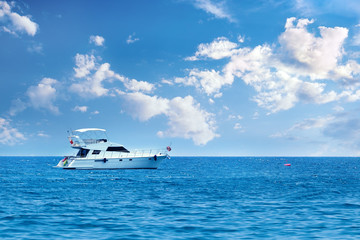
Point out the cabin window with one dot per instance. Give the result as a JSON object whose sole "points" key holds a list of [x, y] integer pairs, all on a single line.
{"points": [[117, 149], [82, 152], [96, 152]]}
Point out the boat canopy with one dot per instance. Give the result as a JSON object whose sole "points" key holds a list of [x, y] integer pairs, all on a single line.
{"points": [[86, 136], [89, 129]]}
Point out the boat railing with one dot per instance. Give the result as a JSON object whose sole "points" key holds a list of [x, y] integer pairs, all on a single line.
{"points": [[94, 141], [134, 153]]}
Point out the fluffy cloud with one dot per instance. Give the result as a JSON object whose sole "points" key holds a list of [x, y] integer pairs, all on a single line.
{"points": [[283, 75], [93, 76], [43, 95], [97, 40], [84, 65], [15, 23], [8, 134], [200, 127], [93, 86], [218, 49], [210, 81], [136, 86], [144, 107], [317, 56], [216, 9]]}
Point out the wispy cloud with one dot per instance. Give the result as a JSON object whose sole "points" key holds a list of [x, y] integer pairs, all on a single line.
{"points": [[8, 134], [217, 9], [310, 8], [131, 39], [80, 109], [35, 48]]}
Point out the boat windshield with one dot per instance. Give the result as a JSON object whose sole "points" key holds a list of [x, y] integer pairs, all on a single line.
{"points": [[82, 152]]}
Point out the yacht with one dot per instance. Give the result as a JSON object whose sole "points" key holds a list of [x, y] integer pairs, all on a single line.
{"points": [[96, 152]]}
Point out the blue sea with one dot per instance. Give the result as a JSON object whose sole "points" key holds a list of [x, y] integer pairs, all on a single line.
{"points": [[185, 198]]}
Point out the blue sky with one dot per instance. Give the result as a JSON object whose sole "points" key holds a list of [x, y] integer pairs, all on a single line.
{"points": [[238, 78]]}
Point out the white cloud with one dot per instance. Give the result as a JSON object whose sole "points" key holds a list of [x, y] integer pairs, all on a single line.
{"points": [[298, 129], [200, 127], [144, 107], [317, 56], [93, 77], [348, 74], [136, 86], [42, 134], [16, 23], [237, 117], [92, 86], [84, 64], [241, 39], [305, 7], [17, 106], [217, 9], [168, 82], [282, 76], [338, 109], [351, 96], [343, 128], [97, 40], [239, 128], [132, 39], [209, 81], [35, 48], [220, 48], [340, 7], [8, 134], [43, 95], [80, 109], [356, 37]]}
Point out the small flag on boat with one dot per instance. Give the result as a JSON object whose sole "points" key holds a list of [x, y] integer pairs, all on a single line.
{"points": [[168, 148]]}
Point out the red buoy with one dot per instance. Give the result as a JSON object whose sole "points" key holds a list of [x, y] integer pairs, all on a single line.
{"points": [[287, 164]]}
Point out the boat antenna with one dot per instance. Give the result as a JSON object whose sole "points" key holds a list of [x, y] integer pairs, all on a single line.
{"points": [[107, 137]]}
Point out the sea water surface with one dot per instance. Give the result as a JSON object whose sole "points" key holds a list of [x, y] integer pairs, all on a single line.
{"points": [[186, 198]]}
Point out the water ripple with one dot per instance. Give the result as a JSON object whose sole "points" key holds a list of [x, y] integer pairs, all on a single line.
{"points": [[186, 198]]}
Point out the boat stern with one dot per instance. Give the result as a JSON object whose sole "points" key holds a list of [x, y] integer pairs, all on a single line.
{"points": [[64, 163]]}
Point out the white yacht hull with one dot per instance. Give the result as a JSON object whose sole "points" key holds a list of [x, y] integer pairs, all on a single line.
{"points": [[112, 163], [95, 151]]}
